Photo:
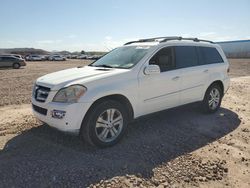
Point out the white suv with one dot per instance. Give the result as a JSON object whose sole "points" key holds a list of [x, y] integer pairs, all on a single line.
{"points": [[145, 76], [57, 58]]}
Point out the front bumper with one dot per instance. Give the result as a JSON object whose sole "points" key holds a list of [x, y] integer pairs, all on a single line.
{"points": [[70, 122]]}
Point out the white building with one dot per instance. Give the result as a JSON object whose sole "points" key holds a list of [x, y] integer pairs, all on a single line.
{"points": [[236, 49]]}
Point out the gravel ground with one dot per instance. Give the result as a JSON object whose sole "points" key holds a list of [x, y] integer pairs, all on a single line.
{"points": [[180, 147]]}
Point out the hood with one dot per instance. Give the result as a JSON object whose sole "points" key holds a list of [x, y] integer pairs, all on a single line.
{"points": [[63, 78]]}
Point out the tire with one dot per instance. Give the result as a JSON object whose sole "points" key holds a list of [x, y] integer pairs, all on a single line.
{"points": [[16, 66], [212, 100], [96, 128]]}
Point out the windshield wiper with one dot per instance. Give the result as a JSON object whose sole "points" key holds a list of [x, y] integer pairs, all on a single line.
{"points": [[105, 66]]}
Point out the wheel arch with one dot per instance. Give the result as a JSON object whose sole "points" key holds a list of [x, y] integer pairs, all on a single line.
{"points": [[218, 82], [115, 97]]}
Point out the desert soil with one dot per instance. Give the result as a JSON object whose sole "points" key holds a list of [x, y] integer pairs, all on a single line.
{"points": [[181, 147]]}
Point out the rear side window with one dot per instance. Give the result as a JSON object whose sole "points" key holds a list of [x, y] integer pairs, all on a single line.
{"points": [[209, 55], [186, 56]]}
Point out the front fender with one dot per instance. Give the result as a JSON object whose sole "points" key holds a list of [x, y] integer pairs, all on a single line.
{"points": [[126, 88]]}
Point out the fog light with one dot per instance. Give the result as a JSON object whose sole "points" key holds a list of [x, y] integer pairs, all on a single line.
{"points": [[59, 114]]}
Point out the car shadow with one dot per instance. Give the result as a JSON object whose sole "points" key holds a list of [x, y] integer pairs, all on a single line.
{"points": [[44, 157]]}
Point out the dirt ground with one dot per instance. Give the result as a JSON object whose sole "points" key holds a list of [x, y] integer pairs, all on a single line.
{"points": [[181, 147]]}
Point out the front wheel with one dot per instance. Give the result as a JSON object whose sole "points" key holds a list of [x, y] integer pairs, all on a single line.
{"points": [[212, 99], [105, 124]]}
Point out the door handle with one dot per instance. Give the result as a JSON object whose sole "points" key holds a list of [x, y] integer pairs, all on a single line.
{"points": [[175, 78], [205, 71]]}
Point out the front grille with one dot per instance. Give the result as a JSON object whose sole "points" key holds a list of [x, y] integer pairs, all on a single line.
{"points": [[41, 93], [40, 110]]}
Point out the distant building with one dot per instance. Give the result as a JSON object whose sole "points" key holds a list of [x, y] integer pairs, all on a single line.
{"points": [[236, 49]]}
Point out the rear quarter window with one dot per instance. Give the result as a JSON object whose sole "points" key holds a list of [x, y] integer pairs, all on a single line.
{"points": [[209, 55]]}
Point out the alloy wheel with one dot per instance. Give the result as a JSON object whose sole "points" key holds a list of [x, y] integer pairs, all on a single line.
{"points": [[109, 125], [214, 98]]}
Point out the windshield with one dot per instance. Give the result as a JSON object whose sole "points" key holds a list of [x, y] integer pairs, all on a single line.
{"points": [[123, 57]]}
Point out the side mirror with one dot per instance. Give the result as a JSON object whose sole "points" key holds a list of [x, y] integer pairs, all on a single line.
{"points": [[152, 69]]}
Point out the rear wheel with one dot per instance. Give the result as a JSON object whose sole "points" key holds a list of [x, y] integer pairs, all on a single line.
{"points": [[105, 124], [212, 99], [16, 65]]}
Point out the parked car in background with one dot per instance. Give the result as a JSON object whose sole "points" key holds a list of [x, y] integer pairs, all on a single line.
{"points": [[11, 61], [34, 58], [82, 57], [68, 56], [73, 57], [94, 57], [18, 56], [57, 58], [13, 55], [46, 57], [142, 77]]}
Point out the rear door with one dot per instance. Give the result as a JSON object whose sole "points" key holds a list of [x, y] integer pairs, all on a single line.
{"points": [[193, 75], [211, 62]]}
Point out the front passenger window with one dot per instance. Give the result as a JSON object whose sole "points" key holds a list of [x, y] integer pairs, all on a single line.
{"points": [[164, 59]]}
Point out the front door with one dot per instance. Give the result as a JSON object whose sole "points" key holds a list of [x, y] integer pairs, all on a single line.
{"points": [[160, 91]]}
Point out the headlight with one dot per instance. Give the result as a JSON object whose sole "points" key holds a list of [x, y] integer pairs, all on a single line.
{"points": [[70, 94]]}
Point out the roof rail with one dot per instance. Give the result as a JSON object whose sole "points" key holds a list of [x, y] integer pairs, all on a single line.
{"points": [[150, 40], [165, 39], [193, 39]]}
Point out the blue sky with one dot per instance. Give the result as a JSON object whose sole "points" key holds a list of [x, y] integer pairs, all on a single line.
{"points": [[104, 24]]}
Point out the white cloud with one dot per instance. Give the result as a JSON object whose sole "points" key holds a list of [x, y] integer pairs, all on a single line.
{"points": [[207, 34], [11, 42], [216, 37], [72, 36], [186, 35], [108, 38], [47, 42], [211, 35], [109, 43], [40, 42]]}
